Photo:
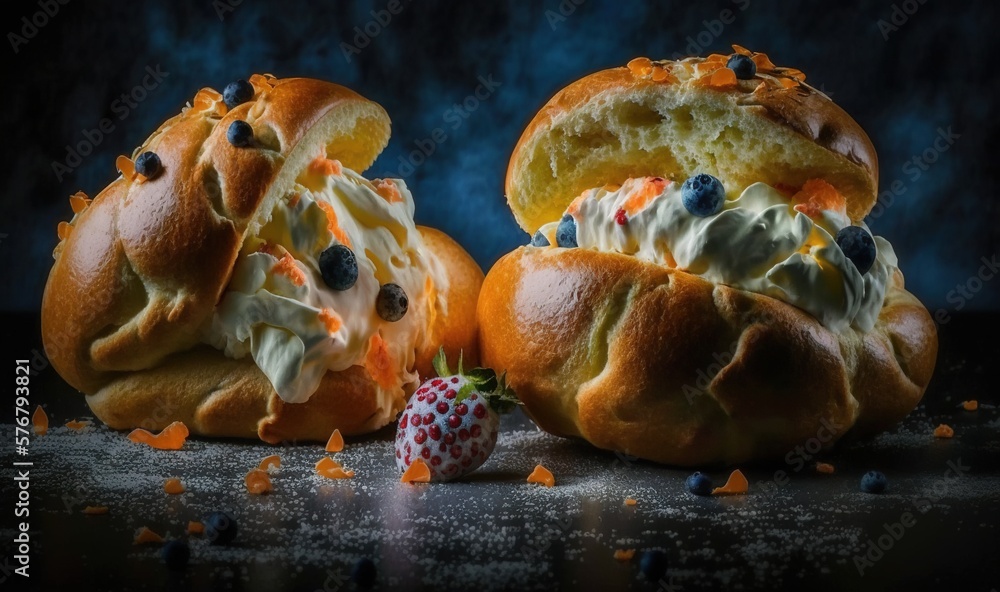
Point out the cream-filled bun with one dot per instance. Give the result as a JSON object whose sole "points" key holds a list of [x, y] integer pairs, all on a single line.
{"points": [[700, 286], [242, 276]]}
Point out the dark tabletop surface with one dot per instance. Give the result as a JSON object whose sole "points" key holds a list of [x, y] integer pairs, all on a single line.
{"points": [[935, 528]]}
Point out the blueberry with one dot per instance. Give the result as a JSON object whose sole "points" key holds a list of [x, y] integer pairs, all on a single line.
{"points": [[220, 528], [148, 165], [874, 482], [237, 93], [858, 246], [175, 554], [653, 565], [703, 195], [743, 66], [364, 573], [699, 484], [566, 232], [240, 133], [391, 303], [339, 267], [539, 240]]}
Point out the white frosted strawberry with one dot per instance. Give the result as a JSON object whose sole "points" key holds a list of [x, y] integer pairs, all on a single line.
{"points": [[451, 421]]}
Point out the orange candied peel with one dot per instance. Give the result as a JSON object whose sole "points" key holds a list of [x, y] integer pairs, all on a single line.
{"points": [[257, 481], [40, 421], [171, 438], [630, 501], [542, 476], [126, 167], [145, 535], [336, 442], [331, 469], [206, 99], [331, 319], [95, 510], [388, 190], [817, 195], [79, 202], [327, 167], [379, 364], [624, 554], [970, 405], [63, 230], [173, 486], [649, 189], [286, 266], [736, 484], [640, 66], [417, 472], [195, 527], [333, 224], [661, 74], [825, 468], [77, 425], [944, 431], [721, 78], [261, 82], [269, 462]]}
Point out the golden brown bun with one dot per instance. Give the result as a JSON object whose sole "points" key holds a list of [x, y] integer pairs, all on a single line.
{"points": [[147, 261], [666, 366], [620, 123], [217, 396]]}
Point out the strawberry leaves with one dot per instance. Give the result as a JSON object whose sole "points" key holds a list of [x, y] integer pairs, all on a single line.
{"points": [[484, 381]]}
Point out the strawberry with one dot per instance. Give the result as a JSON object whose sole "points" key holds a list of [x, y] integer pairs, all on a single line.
{"points": [[451, 421]]}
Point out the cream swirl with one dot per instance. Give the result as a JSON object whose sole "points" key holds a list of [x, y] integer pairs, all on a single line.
{"points": [[759, 242], [278, 309]]}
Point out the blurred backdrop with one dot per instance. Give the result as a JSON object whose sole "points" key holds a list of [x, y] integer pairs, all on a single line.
{"points": [[917, 74]]}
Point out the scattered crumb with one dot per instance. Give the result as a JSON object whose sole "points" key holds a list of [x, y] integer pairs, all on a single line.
{"points": [[542, 476], [971, 405], [144, 535], [173, 486], [944, 431], [630, 501], [624, 554]]}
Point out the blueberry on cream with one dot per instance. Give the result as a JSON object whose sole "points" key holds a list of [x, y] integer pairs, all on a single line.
{"points": [[566, 232], [539, 240], [858, 246], [392, 303], [703, 195], [339, 267]]}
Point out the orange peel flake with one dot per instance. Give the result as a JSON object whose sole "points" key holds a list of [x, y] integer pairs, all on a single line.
{"points": [[333, 224], [336, 442], [95, 510], [764, 64], [173, 486], [77, 425], [331, 319], [258, 482], [630, 501], [126, 167], [417, 472], [388, 190], [649, 189], [286, 266], [79, 202], [171, 437], [378, 362], [721, 79], [542, 476], [325, 166], [39, 421], [640, 66], [817, 195], [624, 554], [825, 468], [970, 405], [944, 431], [195, 527], [269, 462], [63, 230], [736, 484], [145, 535]]}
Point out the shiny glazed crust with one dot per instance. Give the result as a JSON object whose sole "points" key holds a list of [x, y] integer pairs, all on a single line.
{"points": [[663, 365]]}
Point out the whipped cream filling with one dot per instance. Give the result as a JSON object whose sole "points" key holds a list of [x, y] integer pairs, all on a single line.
{"points": [[759, 242], [278, 309]]}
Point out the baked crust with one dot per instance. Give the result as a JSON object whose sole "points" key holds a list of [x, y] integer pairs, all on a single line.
{"points": [[618, 123], [218, 396], [666, 366]]}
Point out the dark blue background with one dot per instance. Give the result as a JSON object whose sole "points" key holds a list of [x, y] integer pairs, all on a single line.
{"points": [[938, 70]]}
